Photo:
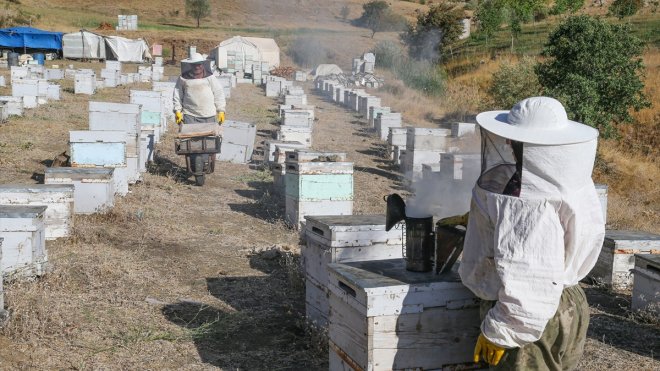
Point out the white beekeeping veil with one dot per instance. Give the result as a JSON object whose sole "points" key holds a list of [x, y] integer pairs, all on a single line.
{"points": [[196, 60]]}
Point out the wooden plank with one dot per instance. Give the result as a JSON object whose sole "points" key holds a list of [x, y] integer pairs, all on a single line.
{"points": [[348, 330]]}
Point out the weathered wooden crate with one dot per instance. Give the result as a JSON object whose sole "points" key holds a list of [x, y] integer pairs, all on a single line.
{"points": [[24, 245], [93, 187], [646, 283], [58, 218], [383, 317], [617, 258], [101, 149], [338, 239], [237, 142]]}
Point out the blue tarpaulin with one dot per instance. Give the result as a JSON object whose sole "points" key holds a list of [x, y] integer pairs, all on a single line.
{"points": [[28, 37]]}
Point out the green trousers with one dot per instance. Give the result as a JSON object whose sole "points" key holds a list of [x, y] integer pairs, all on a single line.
{"points": [[562, 343]]}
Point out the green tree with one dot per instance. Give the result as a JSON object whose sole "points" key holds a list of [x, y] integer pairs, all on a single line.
{"points": [[489, 17], [377, 16], [514, 82], [625, 8], [520, 12], [434, 32], [595, 69], [563, 6], [198, 9]]}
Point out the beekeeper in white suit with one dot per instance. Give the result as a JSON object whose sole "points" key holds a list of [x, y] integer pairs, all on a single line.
{"points": [[535, 229], [198, 96]]}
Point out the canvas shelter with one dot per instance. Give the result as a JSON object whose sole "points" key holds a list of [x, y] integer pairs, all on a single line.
{"points": [[245, 49], [327, 69], [126, 50], [83, 45], [30, 38]]}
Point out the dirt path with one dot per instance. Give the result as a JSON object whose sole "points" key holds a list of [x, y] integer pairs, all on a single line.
{"points": [[183, 277]]}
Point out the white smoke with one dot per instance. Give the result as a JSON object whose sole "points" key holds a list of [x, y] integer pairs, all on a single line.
{"points": [[449, 191]]}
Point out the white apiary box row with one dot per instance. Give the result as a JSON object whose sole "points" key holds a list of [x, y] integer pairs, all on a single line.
{"points": [[24, 244], [58, 217], [383, 317]]}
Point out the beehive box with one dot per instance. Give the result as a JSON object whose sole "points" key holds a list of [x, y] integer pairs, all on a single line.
{"points": [[383, 317], [317, 188], [54, 74], [53, 92], [29, 87], [646, 283], [13, 105], [396, 137], [373, 113], [460, 166], [295, 134], [24, 245], [459, 129], [385, 121], [339, 239], [58, 198], [601, 190], [101, 149], [295, 99], [84, 83], [296, 118], [151, 101], [270, 148], [338, 97], [93, 187], [423, 139], [237, 142], [617, 257], [367, 103]]}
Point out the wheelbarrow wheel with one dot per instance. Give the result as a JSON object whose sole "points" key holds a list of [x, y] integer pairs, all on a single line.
{"points": [[199, 169], [199, 180]]}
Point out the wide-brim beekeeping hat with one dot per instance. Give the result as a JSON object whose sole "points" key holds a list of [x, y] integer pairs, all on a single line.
{"points": [[536, 120]]}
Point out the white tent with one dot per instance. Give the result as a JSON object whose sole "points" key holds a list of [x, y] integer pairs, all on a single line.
{"points": [[241, 51], [327, 69], [127, 50], [83, 45]]}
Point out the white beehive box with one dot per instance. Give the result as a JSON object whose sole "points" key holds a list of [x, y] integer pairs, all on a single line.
{"points": [[85, 83], [53, 92], [383, 317], [113, 65], [459, 129], [124, 117], [646, 283], [24, 245], [340, 239], [13, 105], [423, 139], [54, 74], [101, 149], [384, 121], [338, 97], [601, 189], [237, 142], [270, 147], [317, 188], [151, 101], [367, 103], [396, 137], [293, 117], [93, 187], [295, 134], [617, 258], [167, 90], [460, 166], [58, 198], [295, 99]]}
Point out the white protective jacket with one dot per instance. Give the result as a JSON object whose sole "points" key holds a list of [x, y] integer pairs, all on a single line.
{"points": [[523, 251], [199, 97]]}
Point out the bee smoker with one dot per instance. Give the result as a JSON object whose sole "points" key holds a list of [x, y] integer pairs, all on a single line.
{"points": [[423, 245]]}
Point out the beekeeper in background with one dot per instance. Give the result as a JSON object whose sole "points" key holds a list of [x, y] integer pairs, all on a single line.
{"points": [[198, 96], [535, 229]]}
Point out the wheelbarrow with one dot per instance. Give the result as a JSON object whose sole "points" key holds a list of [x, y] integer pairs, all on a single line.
{"points": [[199, 148]]}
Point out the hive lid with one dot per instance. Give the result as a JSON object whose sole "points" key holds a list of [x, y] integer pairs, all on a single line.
{"points": [[36, 188], [350, 231], [21, 211]]}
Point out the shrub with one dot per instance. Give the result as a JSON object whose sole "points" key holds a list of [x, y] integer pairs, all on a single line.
{"points": [[514, 82], [377, 16], [595, 69], [625, 8], [434, 32]]}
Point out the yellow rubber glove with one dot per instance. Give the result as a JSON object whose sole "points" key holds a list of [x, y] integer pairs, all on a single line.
{"points": [[490, 352], [221, 117], [179, 117]]}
